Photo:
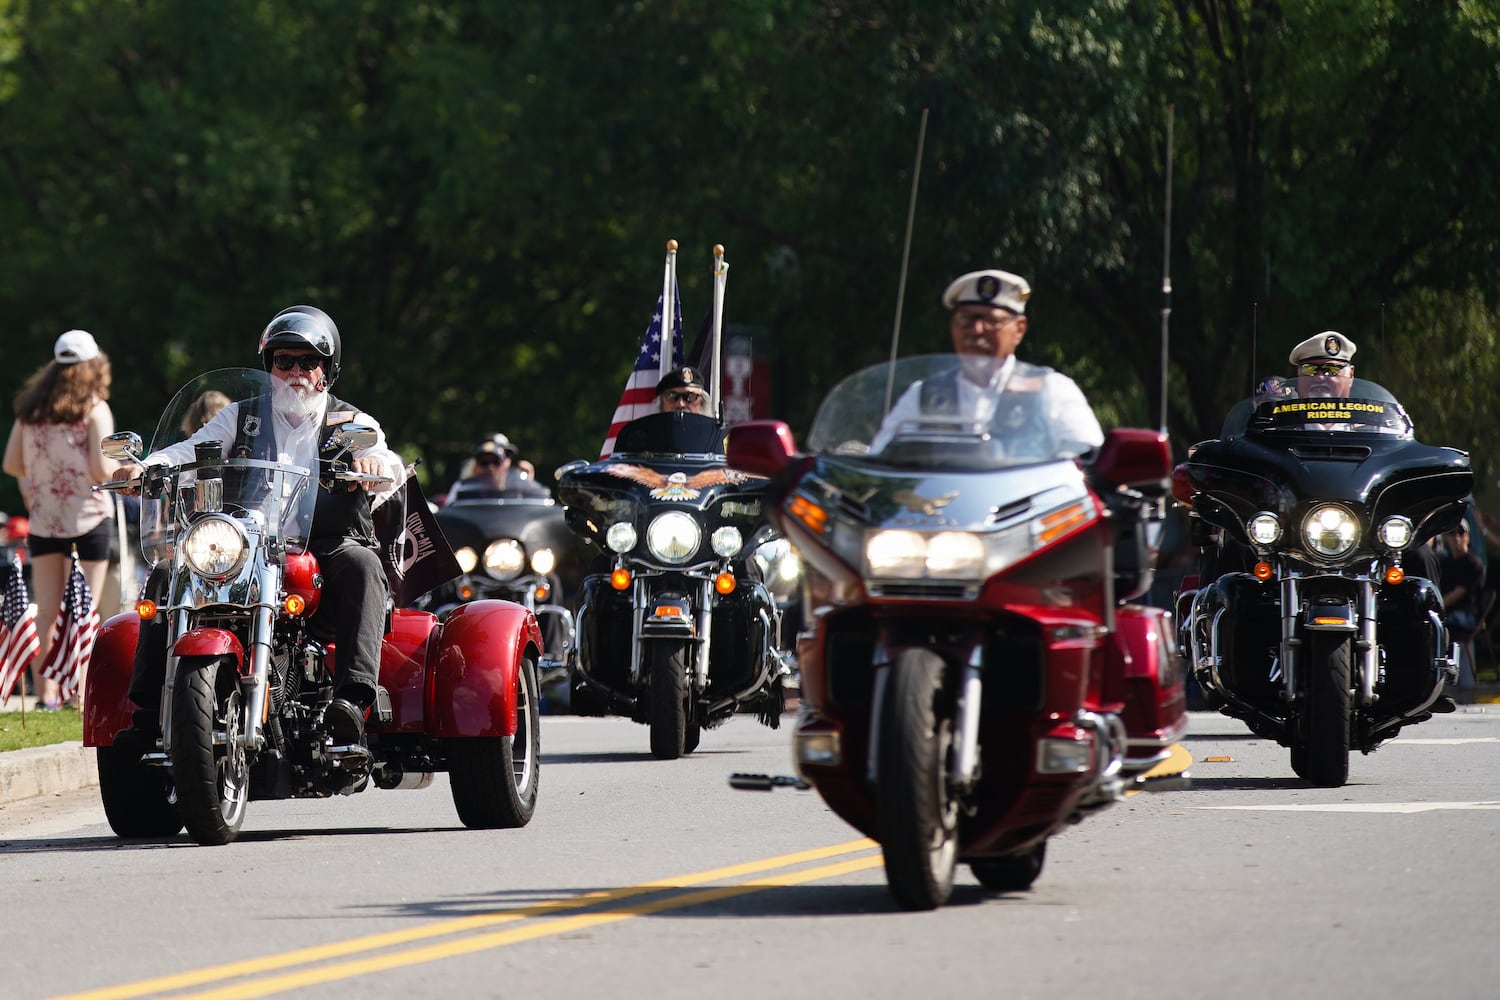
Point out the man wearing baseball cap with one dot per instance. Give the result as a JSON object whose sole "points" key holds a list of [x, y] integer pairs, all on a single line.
{"points": [[992, 386], [497, 474]]}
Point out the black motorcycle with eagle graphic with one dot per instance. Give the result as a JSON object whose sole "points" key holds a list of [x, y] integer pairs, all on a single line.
{"points": [[675, 628]]}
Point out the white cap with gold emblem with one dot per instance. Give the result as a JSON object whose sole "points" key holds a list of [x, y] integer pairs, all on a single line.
{"points": [[1330, 345], [989, 288]]}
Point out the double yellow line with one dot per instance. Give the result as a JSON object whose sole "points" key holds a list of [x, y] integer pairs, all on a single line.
{"points": [[233, 980]]}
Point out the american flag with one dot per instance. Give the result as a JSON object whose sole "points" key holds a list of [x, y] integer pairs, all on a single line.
{"points": [[18, 638], [639, 397], [73, 634]]}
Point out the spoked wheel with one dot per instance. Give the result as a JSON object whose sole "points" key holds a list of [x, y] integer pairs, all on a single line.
{"points": [[137, 798], [917, 816], [494, 779], [209, 766], [1013, 873], [668, 699], [1323, 756]]}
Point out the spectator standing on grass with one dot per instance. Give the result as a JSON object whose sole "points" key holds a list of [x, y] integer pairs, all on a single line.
{"points": [[62, 414]]}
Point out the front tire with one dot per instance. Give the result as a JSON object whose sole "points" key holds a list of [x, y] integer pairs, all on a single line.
{"points": [[1010, 874], [137, 798], [668, 698], [1323, 756], [209, 764], [917, 814], [494, 779]]}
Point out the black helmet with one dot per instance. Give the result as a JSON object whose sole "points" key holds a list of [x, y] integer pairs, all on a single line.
{"points": [[303, 326]]}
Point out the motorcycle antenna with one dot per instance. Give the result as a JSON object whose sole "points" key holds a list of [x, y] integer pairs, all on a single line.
{"points": [[1166, 272], [1254, 341], [911, 214]]}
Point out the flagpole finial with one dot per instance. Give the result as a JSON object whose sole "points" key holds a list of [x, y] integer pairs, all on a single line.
{"points": [[718, 249], [671, 246]]}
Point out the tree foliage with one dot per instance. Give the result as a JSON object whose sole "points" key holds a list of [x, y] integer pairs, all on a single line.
{"points": [[480, 193]]}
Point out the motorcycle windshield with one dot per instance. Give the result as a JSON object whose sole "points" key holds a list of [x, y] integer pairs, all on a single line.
{"points": [[938, 418], [238, 442], [675, 433], [1318, 403]]}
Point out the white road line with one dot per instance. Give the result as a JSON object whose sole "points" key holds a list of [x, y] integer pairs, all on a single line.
{"points": [[1366, 807]]}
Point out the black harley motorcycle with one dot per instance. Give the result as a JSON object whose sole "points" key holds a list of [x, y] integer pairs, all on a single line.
{"points": [[1307, 623], [677, 631], [515, 547]]}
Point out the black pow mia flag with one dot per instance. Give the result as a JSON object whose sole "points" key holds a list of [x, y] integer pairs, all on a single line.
{"points": [[416, 556]]}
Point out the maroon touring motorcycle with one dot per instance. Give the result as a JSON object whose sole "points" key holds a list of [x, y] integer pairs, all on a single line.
{"points": [[971, 680], [248, 677]]}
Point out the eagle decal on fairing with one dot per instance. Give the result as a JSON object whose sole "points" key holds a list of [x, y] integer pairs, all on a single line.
{"points": [[678, 485]]}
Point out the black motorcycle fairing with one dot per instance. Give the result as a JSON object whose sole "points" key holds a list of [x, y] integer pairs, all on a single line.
{"points": [[537, 523], [1283, 474]]}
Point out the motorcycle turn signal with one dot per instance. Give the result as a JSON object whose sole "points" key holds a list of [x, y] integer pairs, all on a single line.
{"points": [[724, 583]]}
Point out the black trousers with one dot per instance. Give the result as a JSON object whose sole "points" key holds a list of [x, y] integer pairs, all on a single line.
{"points": [[351, 612]]}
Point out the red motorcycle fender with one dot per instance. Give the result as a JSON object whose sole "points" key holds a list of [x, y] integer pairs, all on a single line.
{"points": [[403, 669], [107, 708], [473, 682], [212, 642], [1142, 670]]}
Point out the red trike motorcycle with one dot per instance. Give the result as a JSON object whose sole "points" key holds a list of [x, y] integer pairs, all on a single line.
{"points": [[249, 671], [971, 682]]}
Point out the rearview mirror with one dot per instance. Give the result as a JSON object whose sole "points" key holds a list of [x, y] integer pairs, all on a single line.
{"points": [[122, 446], [352, 438]]}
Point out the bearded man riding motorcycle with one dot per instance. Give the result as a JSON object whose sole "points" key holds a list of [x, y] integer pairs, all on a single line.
{"points": [[302, 350]]}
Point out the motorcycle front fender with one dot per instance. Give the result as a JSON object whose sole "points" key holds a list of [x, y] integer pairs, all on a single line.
{"points": [[669, 616], [212, 642], [474, 668], [107, 707]]}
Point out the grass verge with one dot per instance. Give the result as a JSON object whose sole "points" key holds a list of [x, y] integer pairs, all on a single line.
{"points": [[40, 728]]}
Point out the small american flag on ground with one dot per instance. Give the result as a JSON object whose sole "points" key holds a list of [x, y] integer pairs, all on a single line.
{"points": [[18, 638], [639, 397], [73, 634]]}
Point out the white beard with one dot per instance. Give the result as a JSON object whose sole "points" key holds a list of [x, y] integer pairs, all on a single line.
{"points": [[298, 398]]}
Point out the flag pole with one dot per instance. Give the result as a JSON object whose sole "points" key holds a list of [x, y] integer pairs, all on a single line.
{"points": [[721, 279], [668, 286]]}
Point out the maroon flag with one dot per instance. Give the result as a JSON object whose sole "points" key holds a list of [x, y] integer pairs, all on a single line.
{"points": [[18, 638], [73, 633]]}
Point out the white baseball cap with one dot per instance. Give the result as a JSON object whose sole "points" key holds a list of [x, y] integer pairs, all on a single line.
{"points": [[75, 346]]}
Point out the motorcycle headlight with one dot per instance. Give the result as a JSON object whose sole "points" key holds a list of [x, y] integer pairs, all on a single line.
{"points": [[727, 541], [912, 555], [673, 537], [467, 559], [955, 555], [1395, 532], [215, 547], [896, 553], [543, 562], [620, 537], [1264, 529], [504, 558], [1330, 531]]}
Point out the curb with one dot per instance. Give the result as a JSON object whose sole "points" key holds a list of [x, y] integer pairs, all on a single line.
{"points": [[48, 770]]}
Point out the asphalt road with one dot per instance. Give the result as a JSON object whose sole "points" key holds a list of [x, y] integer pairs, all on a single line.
{"points": [[644, 878]]}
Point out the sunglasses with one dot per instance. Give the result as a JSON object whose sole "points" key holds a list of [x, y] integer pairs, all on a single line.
{"points": [[1326, 368], [307, 362], [487, 460], [682, 396]]}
